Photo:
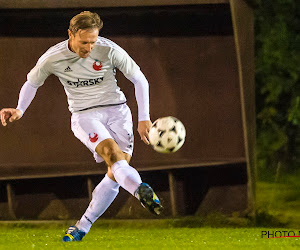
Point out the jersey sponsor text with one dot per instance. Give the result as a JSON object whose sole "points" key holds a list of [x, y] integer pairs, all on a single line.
{"points": [[84, 83]]}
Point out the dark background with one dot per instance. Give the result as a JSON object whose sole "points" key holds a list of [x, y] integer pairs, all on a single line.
{"points": [[199, 71], [186, 52]]}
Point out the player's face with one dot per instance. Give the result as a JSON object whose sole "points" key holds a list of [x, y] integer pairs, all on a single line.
{"points": [[83, 41]]}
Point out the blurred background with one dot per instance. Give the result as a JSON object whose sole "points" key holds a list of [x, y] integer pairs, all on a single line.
{"points": [[277, 44], [228, 69]]}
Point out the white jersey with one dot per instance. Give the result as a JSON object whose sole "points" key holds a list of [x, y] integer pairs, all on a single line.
{"points": [[88, 82]]}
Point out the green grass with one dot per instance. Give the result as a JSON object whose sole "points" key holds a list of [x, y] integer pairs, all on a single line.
{"points": [[136, 235], [280, 200], [278, 210]]}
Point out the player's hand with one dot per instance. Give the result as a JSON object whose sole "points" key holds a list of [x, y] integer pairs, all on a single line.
{"points": [[9, 114], [143, 129]]}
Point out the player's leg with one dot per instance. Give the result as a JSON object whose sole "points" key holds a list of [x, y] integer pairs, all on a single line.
{"points": [[87, 130], [120, 127], [110, 173], [91, 132], [127, 176], [102, 197], [123, 173]]}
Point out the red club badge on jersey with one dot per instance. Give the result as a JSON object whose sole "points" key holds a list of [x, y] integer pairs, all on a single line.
{"points": [[97, 65], [93, 137]]}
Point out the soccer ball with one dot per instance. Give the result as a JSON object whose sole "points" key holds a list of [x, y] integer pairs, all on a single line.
{"points": [[167, 135]]}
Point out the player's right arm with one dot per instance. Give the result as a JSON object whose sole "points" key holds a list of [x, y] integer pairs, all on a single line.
{"points": [[9, 114], [35, 78], [26, 96]]}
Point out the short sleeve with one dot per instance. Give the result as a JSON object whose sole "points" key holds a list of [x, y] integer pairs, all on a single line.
{"points": [[39, 73], [122, 61]]}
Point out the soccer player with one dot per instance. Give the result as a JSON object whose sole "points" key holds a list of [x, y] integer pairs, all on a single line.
{"points": [[86, 66]]}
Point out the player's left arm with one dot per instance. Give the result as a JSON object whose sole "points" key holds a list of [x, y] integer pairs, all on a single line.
{"points": [[141, 88], [132, 72], [143, 129]]}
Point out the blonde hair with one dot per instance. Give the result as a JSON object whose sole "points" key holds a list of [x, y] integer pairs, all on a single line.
{"points": [[85, 20]]}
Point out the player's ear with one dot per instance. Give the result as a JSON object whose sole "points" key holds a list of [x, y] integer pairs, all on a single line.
{"points": [[70, 33]]}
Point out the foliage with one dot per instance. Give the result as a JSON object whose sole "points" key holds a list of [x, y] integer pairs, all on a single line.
{"points": [[277, 41]]}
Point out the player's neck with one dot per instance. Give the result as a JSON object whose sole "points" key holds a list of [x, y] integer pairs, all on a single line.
{"points": [[70, 47]]}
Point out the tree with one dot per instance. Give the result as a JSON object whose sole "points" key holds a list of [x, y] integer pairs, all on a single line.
{"points": [[277, 44]]}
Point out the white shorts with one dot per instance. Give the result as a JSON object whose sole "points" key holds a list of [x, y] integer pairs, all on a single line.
{"points": [[95, 125]]}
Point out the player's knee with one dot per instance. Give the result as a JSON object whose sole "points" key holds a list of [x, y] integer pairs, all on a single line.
{"points": [[114, 157], [110, 152]]}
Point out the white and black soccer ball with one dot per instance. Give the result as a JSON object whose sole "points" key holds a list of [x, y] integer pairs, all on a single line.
{"points": [[167, 134]]}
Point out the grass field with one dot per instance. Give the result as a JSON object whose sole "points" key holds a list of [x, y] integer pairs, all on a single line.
{"points": [[281, 199], [137, 235], [278, 210]]}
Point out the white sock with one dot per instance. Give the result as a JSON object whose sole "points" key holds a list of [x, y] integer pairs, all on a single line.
{"points": [[126, 176], [103, 195]]}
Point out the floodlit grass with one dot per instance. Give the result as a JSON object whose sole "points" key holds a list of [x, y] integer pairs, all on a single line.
{"points": [[125, 235], [281, 199], [278, 210]]}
